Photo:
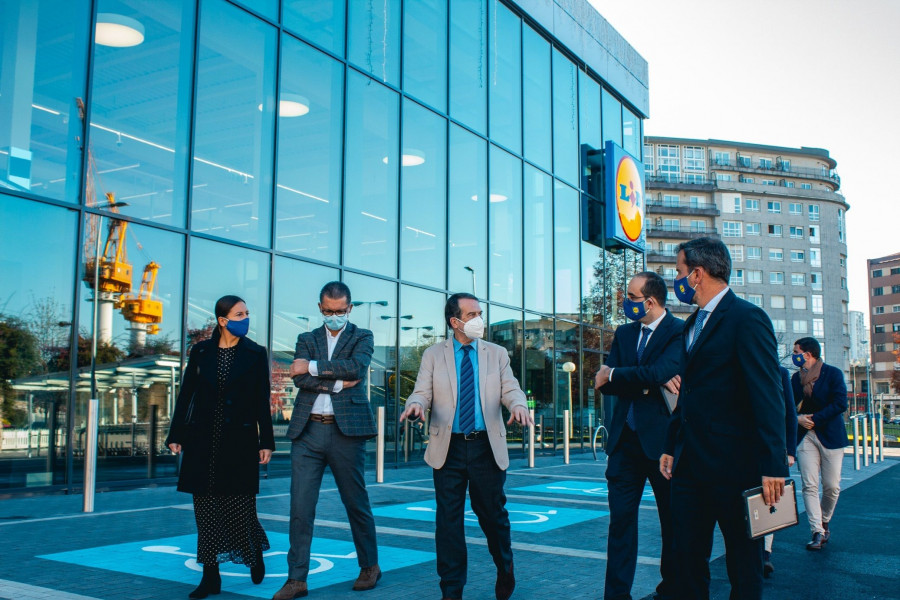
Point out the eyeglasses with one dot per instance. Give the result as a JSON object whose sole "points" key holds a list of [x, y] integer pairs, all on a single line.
{"points": [[335, 313]]}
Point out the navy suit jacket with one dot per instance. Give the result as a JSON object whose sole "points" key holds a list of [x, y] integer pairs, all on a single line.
{"points": [[827, 406], [349, 362], [638, 383], [729, 424], [790, 413]]}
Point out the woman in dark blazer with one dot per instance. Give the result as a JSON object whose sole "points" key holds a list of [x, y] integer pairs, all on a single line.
{"points": [[223, 426]]}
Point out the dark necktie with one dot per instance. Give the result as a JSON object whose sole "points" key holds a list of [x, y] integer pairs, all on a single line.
{"points": [[698, 325], [466, 393], [645, 333]]}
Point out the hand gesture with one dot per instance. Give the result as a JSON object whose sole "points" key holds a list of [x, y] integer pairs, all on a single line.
{"points": [[299, 367], [520, 415], [665, 465], [413, 412]]}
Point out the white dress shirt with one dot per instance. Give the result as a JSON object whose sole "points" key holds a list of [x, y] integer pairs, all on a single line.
{"points": [[710, 306], [652, 327], [322, 405]]}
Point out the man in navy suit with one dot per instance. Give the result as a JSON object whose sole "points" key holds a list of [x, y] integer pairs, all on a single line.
{"points": [[727, 432], [645, 354], [821, 396]]}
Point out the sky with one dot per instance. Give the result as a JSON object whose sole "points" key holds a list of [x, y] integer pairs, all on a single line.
{"points": [[815, 73]]}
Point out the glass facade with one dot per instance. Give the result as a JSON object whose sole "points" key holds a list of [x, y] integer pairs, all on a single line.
{"points": [[155, 156]]}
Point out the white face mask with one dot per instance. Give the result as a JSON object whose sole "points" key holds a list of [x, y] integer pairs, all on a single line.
{"points": [[473, 328]]}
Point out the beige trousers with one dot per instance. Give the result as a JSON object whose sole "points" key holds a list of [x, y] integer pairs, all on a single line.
{"points": [[816, 460]]}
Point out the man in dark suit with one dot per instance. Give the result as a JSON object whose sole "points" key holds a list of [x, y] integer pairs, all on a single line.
{"points": [[645, 354], [330, 424], [727, 433]]}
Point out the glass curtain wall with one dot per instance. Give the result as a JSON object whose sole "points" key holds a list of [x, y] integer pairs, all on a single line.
{"points": [[262, 148]]}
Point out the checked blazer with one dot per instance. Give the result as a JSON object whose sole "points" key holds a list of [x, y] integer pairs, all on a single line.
{"points": [[349, 362]]}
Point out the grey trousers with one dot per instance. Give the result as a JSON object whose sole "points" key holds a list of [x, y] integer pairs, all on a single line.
{"points": [[814, 458], [317, 446]]}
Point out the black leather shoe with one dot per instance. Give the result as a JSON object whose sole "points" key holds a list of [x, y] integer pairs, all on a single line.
{"points": [[258, 571], [768, 567], [817, 542], [827, 535], [506, 583], [210, 583]]}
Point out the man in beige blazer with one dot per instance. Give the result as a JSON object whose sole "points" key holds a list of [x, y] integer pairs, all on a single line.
{"points": [[463, 381]]}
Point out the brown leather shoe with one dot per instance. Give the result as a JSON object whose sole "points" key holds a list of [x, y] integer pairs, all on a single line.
{"points": [[827, 535], [506, 583], [368, 577], [817, 542], [293, 588]]}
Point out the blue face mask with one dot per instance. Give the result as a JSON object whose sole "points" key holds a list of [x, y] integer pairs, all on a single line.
{"points": [[238, 328], [335, 322], [683, 290], [634, 310], [798, 360]]}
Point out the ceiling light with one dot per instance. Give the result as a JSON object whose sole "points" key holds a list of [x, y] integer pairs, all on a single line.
{"points": [[291, 105], [411, 158], [118, 31], [493, 198]]}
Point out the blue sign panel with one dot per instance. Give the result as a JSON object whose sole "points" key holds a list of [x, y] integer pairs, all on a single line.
{"points": [[578, 488], [174, 559], [522, 517], [624, 197]]}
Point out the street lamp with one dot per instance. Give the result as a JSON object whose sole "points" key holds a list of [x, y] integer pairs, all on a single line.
{"points": [[569, 368], [417, 330], [472, 271], [368, 304]]}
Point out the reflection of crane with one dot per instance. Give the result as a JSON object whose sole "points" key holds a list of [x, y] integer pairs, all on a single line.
{"points": [[140, 309]]}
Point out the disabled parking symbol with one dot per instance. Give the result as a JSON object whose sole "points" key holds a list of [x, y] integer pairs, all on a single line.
{"points": [[578, 488]]}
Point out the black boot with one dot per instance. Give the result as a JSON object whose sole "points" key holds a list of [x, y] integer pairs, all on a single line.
{"points": [[211, 583], [258, 571], [768, 567]]}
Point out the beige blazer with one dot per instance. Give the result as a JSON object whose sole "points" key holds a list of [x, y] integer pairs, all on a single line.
{"points": [[436, 390]]}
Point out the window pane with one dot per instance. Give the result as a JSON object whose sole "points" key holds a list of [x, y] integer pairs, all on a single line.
{"points": [[139, 153], [565, 119], [505, 216], [536, 98], [567, 238], [539, 233], [320, 22], [467, 270], [43, 45], [267, 8], [506, 78], [308, 194], [425, 51], [233, 129], [423, 196], [370, 177], [631, 132], [539, 368], [35, 330], [612, 118], [374, 34], [468, 63], [591, 284], [505, 329], [589, 109], [219, 269]]}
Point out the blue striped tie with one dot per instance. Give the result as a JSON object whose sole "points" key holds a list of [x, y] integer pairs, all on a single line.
{"points": [[466, 393], [645, 333], [698, 326]]}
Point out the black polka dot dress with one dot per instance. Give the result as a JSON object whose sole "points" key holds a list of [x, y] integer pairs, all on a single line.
{"points": [[228, 529]]}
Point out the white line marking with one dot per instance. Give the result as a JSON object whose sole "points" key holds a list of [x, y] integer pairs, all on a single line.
{"points": [[22, 590]]}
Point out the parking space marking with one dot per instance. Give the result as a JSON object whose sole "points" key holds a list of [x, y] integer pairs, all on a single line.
{"points": [[578, 488]]}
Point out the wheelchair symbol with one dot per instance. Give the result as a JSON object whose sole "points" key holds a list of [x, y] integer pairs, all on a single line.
{"points": [[596, 491], [532, 516], [319, 563]]}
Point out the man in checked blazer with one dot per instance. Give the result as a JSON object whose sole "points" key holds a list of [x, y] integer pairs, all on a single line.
{"points": [[645, 354], [330, 424], [464, 381]]}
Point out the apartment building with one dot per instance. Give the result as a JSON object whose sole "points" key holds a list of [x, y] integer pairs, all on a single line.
{"points": [[884, 317]]}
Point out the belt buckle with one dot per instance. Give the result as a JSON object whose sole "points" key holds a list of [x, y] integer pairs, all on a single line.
{"points": [[473, 434]]}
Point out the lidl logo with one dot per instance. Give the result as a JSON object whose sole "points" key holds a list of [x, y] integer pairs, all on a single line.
{"points": [[630, 197]]}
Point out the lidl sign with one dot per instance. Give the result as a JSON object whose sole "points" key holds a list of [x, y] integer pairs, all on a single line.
{"points": [[625, 204]]}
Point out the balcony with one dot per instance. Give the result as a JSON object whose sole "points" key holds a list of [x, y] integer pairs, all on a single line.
{"points": [[681, 208], [672, 181], [658, 256], [681, 233], [777, 170]]}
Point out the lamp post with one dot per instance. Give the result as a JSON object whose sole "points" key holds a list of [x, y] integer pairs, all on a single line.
{"points": [[368, 304], [569, 368], [418, 330], [472, 271], [854, 364]]}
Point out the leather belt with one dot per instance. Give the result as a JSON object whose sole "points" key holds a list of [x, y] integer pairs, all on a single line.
{"points": [[475, 435], [324, 419]]}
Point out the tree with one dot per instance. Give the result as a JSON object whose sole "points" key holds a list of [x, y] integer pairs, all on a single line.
{"points": [[19, 357], [106, 353]]}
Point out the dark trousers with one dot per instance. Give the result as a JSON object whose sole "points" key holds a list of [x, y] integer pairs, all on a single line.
{"points": [[469, 463], [696, 508], [319, 445], [626, 473]]}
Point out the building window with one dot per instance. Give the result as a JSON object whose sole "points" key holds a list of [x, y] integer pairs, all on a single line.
{"points": [[671, 224], [776, 230], [776, 302], [841, 224], [731, 229], [722, 158], [843, 261], [746, 179], [669, 273], [754, 252], [765, 163], [737, 253], [768, 182], [672, 200], [895, 271], [737, 204], [776, 254], [895, 289], [694, 158], [798, 256], [879, 291], [774, 207], [743, 161], [813, 212], [737, 277], [815, 257], [798, 279], [698, 202], [752, 228], [756, 299], [800, 326], [895, 327], [843, 283], [723, 176], [895, 308], [754, 276], [752, 204], [779, 325], [776, 278], [796, 232], [789, 184], [818, 328], [879, 348], [783, 164], [813, 234], [880, 328], [818, 304], [668, 161], [879, 310], [815, 280], [798, 302], [877, 273], [795, 208], [805, 186], [698, 226]]}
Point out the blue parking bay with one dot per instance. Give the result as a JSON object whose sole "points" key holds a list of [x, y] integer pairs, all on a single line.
{"points": [[522, 517], [173, 559], [578, 488]]}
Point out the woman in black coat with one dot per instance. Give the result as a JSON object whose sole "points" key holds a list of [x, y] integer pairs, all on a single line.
{"points": [[223, 426]]}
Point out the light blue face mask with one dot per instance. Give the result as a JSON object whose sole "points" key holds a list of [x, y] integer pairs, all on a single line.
{"points": [[336, 322]]}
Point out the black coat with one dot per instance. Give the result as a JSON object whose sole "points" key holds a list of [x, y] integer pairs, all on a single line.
{"points": [[247, 426]]}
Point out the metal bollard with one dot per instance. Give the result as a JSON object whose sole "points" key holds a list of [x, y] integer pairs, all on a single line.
{"points": [[865, 440], [379, 447], [543, 432], [881, 437], [90, 455], [531, 440], [405, 440], [566, 436], [855, 420], [874, 432]]}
